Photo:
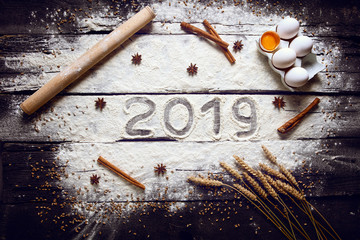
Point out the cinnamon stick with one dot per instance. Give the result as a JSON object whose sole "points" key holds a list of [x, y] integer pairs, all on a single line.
{"points": [[202, 33], [294, 121], [119, 172], [226, 51]]}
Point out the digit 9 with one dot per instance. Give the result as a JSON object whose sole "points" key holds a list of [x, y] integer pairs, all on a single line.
{"points": [[251, 119]]}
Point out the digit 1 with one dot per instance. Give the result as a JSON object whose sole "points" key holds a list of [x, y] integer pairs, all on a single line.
{"points": [[215, 103], [190, 121], [252, 119], [130, 124]]}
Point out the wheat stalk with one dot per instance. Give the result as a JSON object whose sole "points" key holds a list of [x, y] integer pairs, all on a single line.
{"points": [[205, 182], [289, 177], [255, 185], [272, 171], [269, 155], [244, 165], [246, 192], [231, 170], [263, 209], [273, 183], [290, 189]]}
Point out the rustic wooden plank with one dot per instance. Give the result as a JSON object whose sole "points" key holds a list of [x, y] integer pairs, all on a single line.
{"points": [[16, 45], [177, 117], [25, 68], [190, 220], [28, 171], [25, 43], [101, 26], [330, 82], [204, 213], [185, 224], [49, 15], [329, 167], [1, 171], [195, 212], [29, 147], [69, 17]]}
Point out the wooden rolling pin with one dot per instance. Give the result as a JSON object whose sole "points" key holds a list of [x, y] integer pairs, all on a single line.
{"points": [[87, 60]]}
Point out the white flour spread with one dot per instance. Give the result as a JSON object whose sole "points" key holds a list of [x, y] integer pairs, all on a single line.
{"points": [[166, 55]]}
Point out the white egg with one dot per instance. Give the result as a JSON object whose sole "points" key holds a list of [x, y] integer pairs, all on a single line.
{"points": [[288, 28], [302, 45], [296, 77], [283, 58]]}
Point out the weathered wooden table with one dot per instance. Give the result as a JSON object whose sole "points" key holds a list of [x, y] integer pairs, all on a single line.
{"points": [[157, 113]]}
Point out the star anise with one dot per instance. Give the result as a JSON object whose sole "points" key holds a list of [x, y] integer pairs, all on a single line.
{"points": [[100, 103], [160, 169], [279, 102], [238, 46], [192, 69], [94, 179], [136, 59]]}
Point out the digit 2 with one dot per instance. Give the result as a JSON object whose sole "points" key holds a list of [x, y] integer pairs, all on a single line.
{"points": [[129, 128]]}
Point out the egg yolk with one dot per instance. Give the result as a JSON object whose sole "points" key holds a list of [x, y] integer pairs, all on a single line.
{"points": [[270, 40]]}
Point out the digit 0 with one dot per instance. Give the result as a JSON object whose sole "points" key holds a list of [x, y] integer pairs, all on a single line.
{"points": [[168, 108]]}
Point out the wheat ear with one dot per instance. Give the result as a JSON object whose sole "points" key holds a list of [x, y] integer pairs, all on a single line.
{"points": [[288, 175], [267, 186], [272, 171], [290, 189], [244, 165], [273, 183], [273, 160], [205, 182], [246, 192], [255, 185], [231, 170], [269, 155]]}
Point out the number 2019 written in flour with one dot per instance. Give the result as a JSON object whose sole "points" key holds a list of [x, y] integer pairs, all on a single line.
{"points": [[180, 117]]}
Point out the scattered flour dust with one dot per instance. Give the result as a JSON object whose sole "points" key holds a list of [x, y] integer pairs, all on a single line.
{"points": [[182, 159]]}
